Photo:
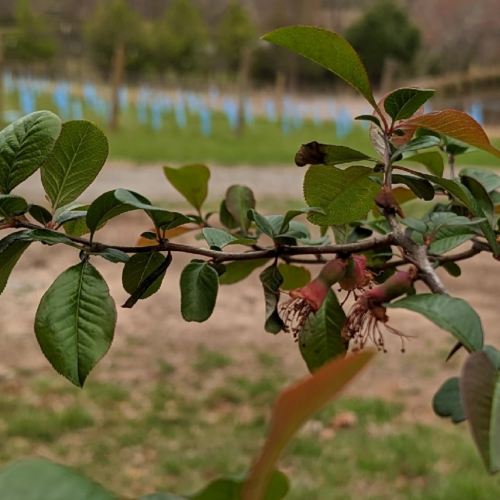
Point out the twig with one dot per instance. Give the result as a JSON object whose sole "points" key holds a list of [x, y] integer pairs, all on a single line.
{"points": [[220, 256]]}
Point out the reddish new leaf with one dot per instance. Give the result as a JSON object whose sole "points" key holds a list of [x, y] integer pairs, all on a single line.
{"points": [[294, 407], [480, 392], [457, 125]]}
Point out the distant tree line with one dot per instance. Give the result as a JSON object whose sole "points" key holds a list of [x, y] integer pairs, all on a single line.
{"points": [[182, 39]]}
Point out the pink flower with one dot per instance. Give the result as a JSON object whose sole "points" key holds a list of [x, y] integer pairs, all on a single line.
{"points": [[310, 298], [368, 314]]}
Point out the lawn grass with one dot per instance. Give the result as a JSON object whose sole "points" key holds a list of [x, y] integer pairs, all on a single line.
{"points": [[262, 143], [159, 436]]}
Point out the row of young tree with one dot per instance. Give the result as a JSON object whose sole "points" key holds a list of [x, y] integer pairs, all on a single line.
{"points": [[182, 42]]}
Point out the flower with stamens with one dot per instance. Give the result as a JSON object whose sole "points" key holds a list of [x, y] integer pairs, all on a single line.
{"points": [[368, 315], [310, 298]]}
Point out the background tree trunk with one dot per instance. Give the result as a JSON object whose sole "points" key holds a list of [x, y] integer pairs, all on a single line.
{"points": [[243, 79], [116, 81]]}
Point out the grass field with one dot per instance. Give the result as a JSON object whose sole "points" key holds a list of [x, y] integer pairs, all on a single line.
{"points": [[136, 438], [261, 144], [175, 432]]}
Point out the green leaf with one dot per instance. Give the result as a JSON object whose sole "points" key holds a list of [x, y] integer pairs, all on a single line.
{"points": [[46, 236], [113, 255], [449, 313], [239, 270], [272, 280], [464, 195], [199, 288], [74, 163], [74, 205], [191, 181], [320, 340], [379, 225], [452, 269], [455, 147], [423, 189], [342, 233], [219, 239], [447, 401], [480, 391], [8, 260], [11, 238], [230, 489], [344, 195], [326, 154], [239, 200], [138, 268], [480, 195], [11, 204], [37, 479], [267, 224], [432, 161], [439, 219], [415, 224], [293, 408], [424, 142], [449, 237], [453, 187], [162, 496], [369, 118], [75, 322], [404, 103], [136, 201], [294, 276], [328, 50], [488, 179], [71, 215], [162, 218], [24, 146], [457, 125], [76, 227], [226, 219], [493, 355], [104, 208], [148, 281], [291, 214], [40, 214]]}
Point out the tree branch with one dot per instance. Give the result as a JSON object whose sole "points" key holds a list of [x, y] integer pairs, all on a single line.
{"points": [[220, 256]]}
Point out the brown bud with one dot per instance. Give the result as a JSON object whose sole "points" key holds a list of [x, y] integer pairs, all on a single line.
{"points": [[386, 201], [310, 154]]}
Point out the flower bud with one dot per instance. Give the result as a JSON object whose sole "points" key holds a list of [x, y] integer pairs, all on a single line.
{"points": [[316, 291], [398, 284], [356, 275]]}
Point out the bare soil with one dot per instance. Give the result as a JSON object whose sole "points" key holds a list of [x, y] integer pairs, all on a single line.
{"points": [[155, 330]]}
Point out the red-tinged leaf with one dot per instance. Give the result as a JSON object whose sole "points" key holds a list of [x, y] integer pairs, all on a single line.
{"points": [[294, 407], [480, 392], [457, 125]]}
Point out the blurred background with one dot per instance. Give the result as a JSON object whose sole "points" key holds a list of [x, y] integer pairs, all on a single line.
{"points": [[173, 70], [175, 404]]}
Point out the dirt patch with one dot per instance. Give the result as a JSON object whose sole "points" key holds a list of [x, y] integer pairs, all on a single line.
{"points": [[154, 333]]}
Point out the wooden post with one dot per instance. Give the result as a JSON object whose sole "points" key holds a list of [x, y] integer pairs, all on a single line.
{"points": [[243, 78], [116, 81]]}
